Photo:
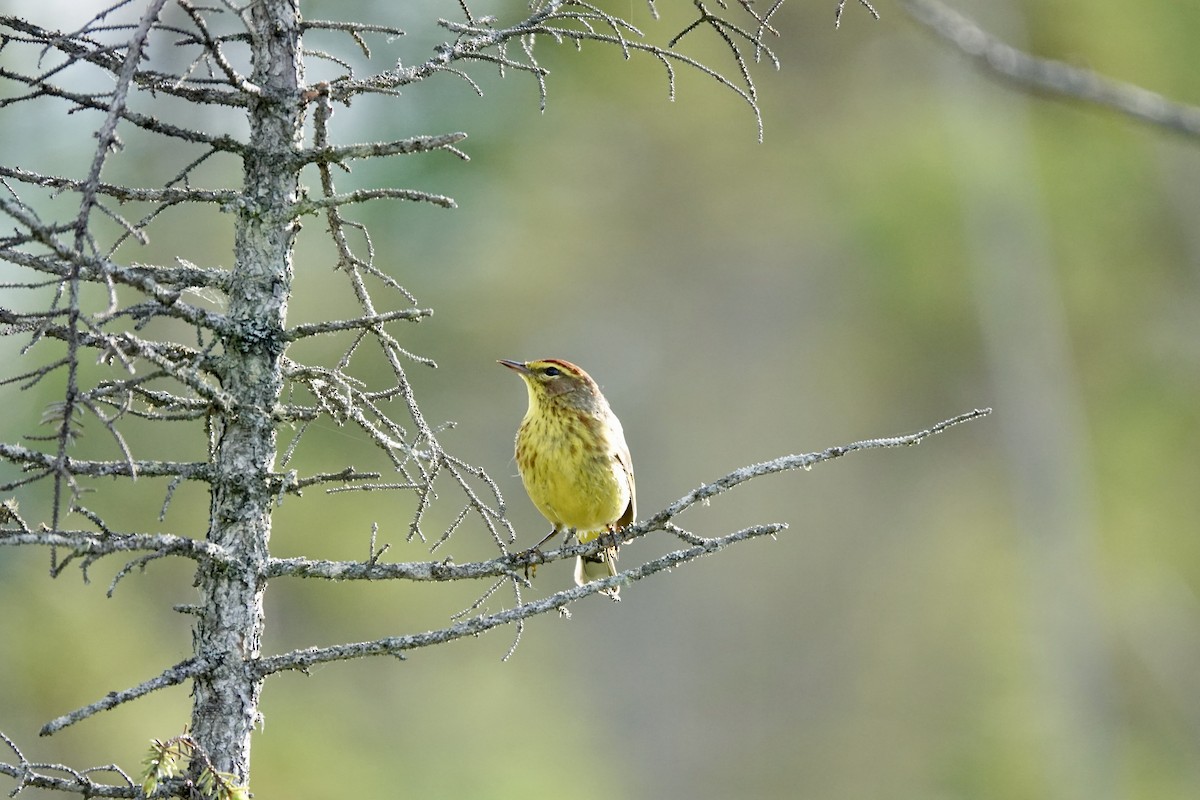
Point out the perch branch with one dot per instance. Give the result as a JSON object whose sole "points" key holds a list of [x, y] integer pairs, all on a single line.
{"points": [[510, 563], [398, 645]]}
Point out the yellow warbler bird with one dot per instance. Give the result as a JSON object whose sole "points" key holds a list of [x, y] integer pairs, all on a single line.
{"points": [[573, 460]]}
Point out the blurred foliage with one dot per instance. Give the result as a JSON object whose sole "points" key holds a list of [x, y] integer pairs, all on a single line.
{"points": [[736, 301]]}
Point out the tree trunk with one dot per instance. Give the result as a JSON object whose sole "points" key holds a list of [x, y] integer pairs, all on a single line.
{"points": [[230, 620]]}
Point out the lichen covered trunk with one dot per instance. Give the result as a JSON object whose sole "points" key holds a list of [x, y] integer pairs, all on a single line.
{"points": [[230, 616]]}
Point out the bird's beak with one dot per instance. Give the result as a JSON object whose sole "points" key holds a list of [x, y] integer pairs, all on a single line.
{"points": [[515, 365]]}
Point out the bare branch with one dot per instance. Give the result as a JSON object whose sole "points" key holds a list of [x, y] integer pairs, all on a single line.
{"points": [[212, 50], [398, 645], [354, 28], [193, 470], [508, 563], [1047, 75], [69, 262], [123, 193], [575, 21], [107, 139], [804, 461], [94, 545], [837, 20], [146, 122], [313, 329], [366, 195], [505, 566], [342, 476], [554, 20], [184, 670], [415, 144], [35, 775]]}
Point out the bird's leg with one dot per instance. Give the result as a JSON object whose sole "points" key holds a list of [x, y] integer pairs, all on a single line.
{"points": [[531, 569], [611, 535], [545, 539], [608, 540]]}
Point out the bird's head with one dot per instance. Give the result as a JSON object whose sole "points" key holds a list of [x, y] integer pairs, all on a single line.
{"points": [[556, 382]]}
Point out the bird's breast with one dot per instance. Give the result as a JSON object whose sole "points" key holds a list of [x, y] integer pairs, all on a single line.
{"points": [[570, 471]]}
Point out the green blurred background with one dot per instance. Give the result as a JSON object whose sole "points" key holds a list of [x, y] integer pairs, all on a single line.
{"points": [[1007, 611]]}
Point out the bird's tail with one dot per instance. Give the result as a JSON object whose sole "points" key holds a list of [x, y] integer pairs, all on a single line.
{"points": [[594, 567]]}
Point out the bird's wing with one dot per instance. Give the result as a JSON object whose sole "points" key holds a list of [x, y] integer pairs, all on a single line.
{"points": [[622, 457]]}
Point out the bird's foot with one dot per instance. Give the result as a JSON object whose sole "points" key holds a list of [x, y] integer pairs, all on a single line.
{"points": [[531, 558], [534, 555]]}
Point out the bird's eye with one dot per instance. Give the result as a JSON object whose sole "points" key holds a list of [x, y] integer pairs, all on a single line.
{"points": [[551, 372]]}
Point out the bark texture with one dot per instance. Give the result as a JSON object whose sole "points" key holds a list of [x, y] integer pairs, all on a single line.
{"points": [[230, 622]]}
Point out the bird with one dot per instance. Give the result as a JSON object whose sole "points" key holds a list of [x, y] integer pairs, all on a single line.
{"points": [[574, 461]]}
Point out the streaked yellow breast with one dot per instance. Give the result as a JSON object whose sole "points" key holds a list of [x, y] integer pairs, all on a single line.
{"points": [[570, 472]]}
